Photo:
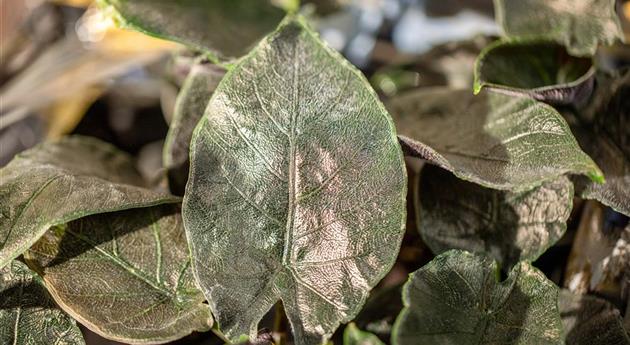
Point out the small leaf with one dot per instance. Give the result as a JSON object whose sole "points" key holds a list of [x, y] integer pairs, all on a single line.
{"points": [[124, 275], [190, 105], [57, 182], [603, 130], [589, 320], [297, 189], [223, 28], [510, 227], [28, 316], [495, 140], [579, 25], [541, 70], [354, 336], [457, 299]]}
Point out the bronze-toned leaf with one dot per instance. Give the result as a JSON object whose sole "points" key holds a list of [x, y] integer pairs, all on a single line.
{"points": [[509, 226], [495, 140], [57, 182], [125, 275], [28, 316]]}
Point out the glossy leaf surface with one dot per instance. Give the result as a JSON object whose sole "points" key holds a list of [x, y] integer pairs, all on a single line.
{"points": [[28, 315], [589, 320], [191, 103], [579, 25], [511, 227], [495, 140], [297, 189], [541, 70], [124, 275], [457, 299], [57, 182], [224, 28]]}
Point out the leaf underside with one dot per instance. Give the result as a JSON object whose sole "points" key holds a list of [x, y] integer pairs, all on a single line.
{"points": [[125, 275], [511, 227], [539, 69], [189, 108], [223, 28], [495, 140], [57, 182], [28, 316], [579, 25], [456, 299], [296, 191]]}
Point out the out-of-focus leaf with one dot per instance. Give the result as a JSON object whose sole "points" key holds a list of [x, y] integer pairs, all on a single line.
{"points": [[603, 130], [599, 259], [495, 140], [380, 310], [457, 299], [511, 227], [223, 28], [74, 63], [124, 275], [64, 115], [295, 167], [450, 64], [28, 316], [189, 108], [589, 320], [58, 182], [541, 70], [579, 25], [352, 335]]}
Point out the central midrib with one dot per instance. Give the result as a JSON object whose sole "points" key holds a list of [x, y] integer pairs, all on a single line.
{"points": [[288, 238]]}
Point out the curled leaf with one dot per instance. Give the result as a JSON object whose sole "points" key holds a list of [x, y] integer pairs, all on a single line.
{"points": [[124, 275], [495, 140], [28, 316], [579, 25], [297, 189], [57, 182], [511, 227], [539, 69], [457, 299]]}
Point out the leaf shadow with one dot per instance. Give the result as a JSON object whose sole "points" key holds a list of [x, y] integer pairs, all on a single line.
{"points": [[30, 295], [481, 223], [103, 231]]}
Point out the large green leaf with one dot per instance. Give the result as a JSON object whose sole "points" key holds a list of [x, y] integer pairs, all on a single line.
{"points": [[28, 316], [124, 275], [495, 140], [604, 131], [580, 25], [457, 299], [541, 70], [589, 320], [352, 335], [297, 189], [57, 182], [223, 28], [191, 103], [455, 214]]}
